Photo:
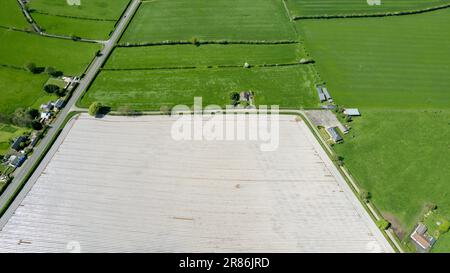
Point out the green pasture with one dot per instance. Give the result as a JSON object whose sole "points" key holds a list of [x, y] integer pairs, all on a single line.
{"points": [[288, 87], [89, 29], [395, 70], [93, 9], [19, 89], [204, 55], [11, 15], [210, 20], [347, 7], [19, 48], [395, 62]]}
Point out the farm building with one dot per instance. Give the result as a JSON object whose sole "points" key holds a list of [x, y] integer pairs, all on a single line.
{"points": [[18, 161], [421, 238], [327, 94], [320, 94], [334, 134], [59, 104], [352, 112], [17, 142]]}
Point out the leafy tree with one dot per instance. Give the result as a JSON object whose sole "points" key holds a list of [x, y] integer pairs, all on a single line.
{"points": [[195, 41], [95, 108], [444, 227], [51, 88], [365, 195], [24, 117], [31, 67]]}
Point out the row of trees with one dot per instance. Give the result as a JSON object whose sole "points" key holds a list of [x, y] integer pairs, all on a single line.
{"points": [[33, 68], [22, 118]]}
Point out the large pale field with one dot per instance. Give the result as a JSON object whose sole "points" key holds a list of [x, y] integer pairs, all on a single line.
{"points": [[157, 194]]}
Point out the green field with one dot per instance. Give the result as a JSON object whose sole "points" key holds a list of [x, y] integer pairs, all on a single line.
{"points": [[232, 20], [93, 19], [19, 88], [19, 48], [204, 55], [346, 7], [289, 87], [395, 69], [75, 27], [93, 9], [11, 15], [8, 133]]}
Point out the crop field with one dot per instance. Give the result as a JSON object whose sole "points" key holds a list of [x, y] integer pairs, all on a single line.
{"points": [[395, 69], [287, 86], [93, 19], [204, 55], [157, 194], [11, 16], [299, 8], [19, 48], [234, 20]]}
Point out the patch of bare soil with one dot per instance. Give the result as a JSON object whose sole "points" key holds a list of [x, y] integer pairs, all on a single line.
{"points": [[395, 224]]}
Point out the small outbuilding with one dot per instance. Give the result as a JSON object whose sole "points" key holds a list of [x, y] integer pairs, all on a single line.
{"points": [[327, 94], [320, 94], [59, 104], [352, 112], [334, 134]]}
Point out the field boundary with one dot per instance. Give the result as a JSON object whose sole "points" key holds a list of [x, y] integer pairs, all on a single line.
{"points": [[209, 42], [73, 17], [202, 67], [370, 15]]}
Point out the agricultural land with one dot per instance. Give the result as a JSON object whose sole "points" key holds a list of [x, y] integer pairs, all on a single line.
{"points": [[390, 59]]}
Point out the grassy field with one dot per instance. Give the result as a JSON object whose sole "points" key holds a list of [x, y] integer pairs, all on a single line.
{"points": [[150, 89], [396, 71], [93, 9], [19, 89], [75, 27], [8, 133], [400, 62], [342, 7], [210, 20], [204, 55], [11, 16], [93, 19], [19, 48]]}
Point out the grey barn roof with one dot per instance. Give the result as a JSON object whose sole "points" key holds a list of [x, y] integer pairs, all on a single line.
{"points": [[320, 93], [334, 134]]}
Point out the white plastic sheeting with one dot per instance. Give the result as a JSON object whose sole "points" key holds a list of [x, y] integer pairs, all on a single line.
{"points": [[124, 185]]}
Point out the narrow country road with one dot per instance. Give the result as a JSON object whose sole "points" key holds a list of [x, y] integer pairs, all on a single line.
{"points": [[22, 172]]}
